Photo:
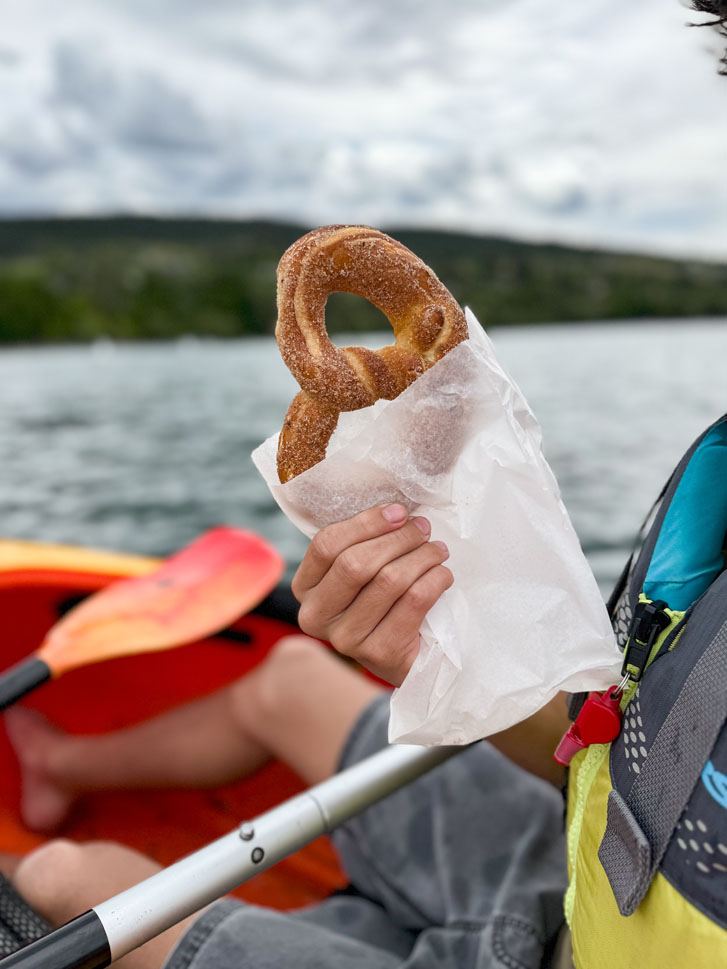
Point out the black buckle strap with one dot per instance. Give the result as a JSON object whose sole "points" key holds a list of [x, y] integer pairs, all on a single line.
{"points": [[650, 620]]}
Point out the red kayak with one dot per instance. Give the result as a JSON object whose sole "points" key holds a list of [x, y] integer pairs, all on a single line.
{"points": [[39, 584]]}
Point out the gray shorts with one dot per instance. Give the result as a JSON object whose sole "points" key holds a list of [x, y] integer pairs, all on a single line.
{"points": [[463, 868]]}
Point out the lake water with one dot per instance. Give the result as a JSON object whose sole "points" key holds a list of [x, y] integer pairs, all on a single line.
{"points": [[140, 447]]}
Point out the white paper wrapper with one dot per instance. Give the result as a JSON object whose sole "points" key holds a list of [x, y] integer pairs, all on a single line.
{"points": [[524, 618]]}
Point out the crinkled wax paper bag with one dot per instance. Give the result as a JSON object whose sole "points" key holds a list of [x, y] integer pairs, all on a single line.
{"points": [[524, 617]]}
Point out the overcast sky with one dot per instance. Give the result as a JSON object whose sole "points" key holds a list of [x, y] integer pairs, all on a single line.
{"points": [[601, 122]]}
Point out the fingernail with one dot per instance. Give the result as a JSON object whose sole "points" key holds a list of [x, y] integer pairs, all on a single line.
{"points": [[423, 525], [443, 548], [394, 513]]}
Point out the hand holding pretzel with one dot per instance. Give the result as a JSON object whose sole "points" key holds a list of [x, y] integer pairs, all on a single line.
{"points": [[426, 319], [367, 583]]}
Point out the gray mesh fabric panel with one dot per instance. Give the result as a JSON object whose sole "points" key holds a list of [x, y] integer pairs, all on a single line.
{"points": [[19, 923], [673, 766]]}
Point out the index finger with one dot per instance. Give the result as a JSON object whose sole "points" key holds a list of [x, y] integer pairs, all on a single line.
{"points": [[328, 544]]}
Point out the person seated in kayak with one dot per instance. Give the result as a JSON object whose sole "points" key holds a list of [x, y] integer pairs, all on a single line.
{"points": [[365, 585], [464, 867]]}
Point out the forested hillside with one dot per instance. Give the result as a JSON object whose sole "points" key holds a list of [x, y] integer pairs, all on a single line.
{"points": [[138, 278]]}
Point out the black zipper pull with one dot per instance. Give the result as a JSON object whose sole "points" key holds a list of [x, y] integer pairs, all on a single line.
{"points": [[650, 620]]}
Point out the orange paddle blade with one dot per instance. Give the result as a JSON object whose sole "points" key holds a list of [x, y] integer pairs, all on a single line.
{"points": [[195, 593]]}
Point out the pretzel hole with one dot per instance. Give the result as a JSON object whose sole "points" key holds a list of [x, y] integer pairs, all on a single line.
{"points": [[347, 313]]}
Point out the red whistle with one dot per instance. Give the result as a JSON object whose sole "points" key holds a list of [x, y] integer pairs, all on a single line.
{"points": [[599, 722]]}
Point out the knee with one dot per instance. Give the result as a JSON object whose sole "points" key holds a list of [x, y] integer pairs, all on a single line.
{"points": [[61, 879], [47, 877], [265, 696], [292, 656]]}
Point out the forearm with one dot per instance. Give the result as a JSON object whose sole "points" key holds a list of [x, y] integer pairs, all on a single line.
{"points": [[530, 744]]}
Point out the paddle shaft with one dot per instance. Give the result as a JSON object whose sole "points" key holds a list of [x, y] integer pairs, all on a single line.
{"points": [[21, 679], [135, 916]]}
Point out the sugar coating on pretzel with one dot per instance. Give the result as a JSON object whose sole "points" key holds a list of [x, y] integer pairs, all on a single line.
{"points": [[426, 319]]}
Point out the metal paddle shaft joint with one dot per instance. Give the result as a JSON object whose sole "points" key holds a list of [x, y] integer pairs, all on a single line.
{"points": [[142, 912]]}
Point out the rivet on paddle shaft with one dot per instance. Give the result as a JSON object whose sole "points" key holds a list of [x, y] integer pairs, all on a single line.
{"points": [[257, 855], [247, 832]]}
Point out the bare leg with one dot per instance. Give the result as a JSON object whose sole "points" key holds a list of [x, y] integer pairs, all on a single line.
{"points": [[61, 880], [297, 706]]}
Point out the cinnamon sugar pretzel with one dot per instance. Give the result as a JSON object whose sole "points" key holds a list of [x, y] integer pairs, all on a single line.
{"points": [[426, 320]]}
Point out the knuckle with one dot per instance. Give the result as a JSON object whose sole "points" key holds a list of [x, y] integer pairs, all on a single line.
{"points": [[344, 645], [417, 596], [322, 545], [388, 579], [347, 640], [445, 576], [351, 566], [308, 618], [295, 588], [430, 556]]}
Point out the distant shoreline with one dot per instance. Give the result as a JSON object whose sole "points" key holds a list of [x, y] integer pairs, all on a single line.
{"points": [[143, 278], [100, 341]]}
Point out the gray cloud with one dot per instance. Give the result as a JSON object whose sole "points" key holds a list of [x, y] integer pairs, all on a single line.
{"points": [[139, 109], [9, 57], [554, 121]]}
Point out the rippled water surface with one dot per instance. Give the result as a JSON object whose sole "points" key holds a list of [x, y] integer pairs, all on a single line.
{"points": [[140, 447]]}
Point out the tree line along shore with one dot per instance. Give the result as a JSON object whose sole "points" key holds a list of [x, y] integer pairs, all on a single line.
{"points": [[128, 278]]}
